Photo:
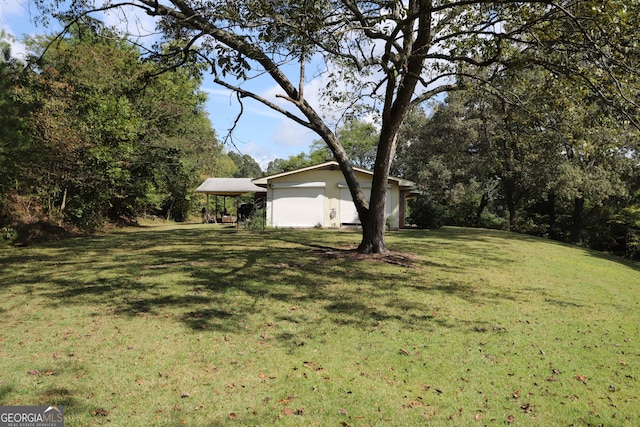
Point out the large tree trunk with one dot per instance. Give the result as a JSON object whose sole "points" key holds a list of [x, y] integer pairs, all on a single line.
{"points": [[374, 221], [373, 236]]}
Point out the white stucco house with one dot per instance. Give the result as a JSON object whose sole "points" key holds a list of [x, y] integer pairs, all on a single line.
{"points": [[318, 196]]}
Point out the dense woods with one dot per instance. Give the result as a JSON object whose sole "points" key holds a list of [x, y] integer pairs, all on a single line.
{"points": [[556, 166], [92, 134]]}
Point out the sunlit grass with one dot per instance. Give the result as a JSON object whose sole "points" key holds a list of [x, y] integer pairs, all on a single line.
{"points": [[199, 325]]}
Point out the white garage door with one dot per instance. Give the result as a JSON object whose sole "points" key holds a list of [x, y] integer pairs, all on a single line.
{"points": [[298, 205], [348, 212]]}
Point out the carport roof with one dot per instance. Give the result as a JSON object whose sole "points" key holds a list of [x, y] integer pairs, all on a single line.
{"points": [[229, 186]]}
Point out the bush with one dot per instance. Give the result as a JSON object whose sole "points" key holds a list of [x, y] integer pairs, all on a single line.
{"points": [[426, 212], [257, 220], [8, 235]]}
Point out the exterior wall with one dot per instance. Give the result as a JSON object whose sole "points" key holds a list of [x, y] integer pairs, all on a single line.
{"points": [[333, 181]]}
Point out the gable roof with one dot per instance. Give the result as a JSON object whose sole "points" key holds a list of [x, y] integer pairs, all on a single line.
{"points": [[331, 165], [229, 186]]}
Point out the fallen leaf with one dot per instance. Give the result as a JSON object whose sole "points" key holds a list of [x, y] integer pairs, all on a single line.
{"points": [[510, 419], [232, 416], [287, 411], [478, 417], [516, 394], [34, 372], [342, 411], [412, 404], [100, 411], [581, 378]]}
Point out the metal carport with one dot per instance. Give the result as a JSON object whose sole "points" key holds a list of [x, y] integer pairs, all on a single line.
{"points": [[233, 187]]}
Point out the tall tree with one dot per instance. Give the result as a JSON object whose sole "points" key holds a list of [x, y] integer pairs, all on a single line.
{"points": [[13, 154], [109, 141], [389, 55], [359, 139], [246, 166], [559, 161], [296, 161]]}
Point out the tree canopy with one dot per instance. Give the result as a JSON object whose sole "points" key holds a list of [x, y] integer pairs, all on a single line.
{"points": [[556, 165], [95, 134]]}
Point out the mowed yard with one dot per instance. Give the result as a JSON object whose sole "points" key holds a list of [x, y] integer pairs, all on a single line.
{"points": [[198, 325]]}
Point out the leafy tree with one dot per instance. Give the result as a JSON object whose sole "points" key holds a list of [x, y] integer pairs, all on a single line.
{"points": [[247, 166], [560, 163], [12, 125], [446, 155], [107, 141], [296, 161], [359, 139], [387, 56]]}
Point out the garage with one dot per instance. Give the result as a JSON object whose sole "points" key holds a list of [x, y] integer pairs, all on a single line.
{"points": [[297, 204], [318, 196]]}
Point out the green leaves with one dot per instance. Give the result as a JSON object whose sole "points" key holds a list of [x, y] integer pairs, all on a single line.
{"points": [[106, 142]]}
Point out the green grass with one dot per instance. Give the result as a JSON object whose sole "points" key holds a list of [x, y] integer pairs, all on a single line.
{"points": [[197, 325]]}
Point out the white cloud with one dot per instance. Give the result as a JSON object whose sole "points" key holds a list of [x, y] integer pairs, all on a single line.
{"points": [[290, 134], [15, 20], [18, 49], [261, 153]]}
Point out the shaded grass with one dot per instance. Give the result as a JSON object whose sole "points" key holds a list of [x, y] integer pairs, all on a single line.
{"points": [[198, 325]]}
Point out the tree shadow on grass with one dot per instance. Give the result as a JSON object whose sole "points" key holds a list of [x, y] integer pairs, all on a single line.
{"points": [[218, 276]]}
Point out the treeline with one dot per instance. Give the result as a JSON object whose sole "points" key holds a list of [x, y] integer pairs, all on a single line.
{"points": [[532, 157], [91, 133]]}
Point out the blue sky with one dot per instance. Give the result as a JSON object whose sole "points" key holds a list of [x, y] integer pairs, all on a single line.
{"points": [[261, 132]]}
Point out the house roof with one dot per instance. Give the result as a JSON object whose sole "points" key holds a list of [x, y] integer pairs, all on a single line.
{"points": [[329, 165], [229, 186]]}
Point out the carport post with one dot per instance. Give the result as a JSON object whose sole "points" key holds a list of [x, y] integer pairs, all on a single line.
{"points": [[237, 222]]}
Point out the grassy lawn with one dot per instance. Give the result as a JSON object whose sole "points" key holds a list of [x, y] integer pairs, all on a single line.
{"points": [[197, 325]]}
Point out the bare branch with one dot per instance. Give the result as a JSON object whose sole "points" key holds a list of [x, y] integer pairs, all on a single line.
{"points": [[247, 94]]}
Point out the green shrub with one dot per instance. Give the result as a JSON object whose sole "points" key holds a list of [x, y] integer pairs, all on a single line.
{"points": [[426, 212]]}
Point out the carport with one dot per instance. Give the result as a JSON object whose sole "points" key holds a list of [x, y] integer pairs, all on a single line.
{"points": [[228, 187]]}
